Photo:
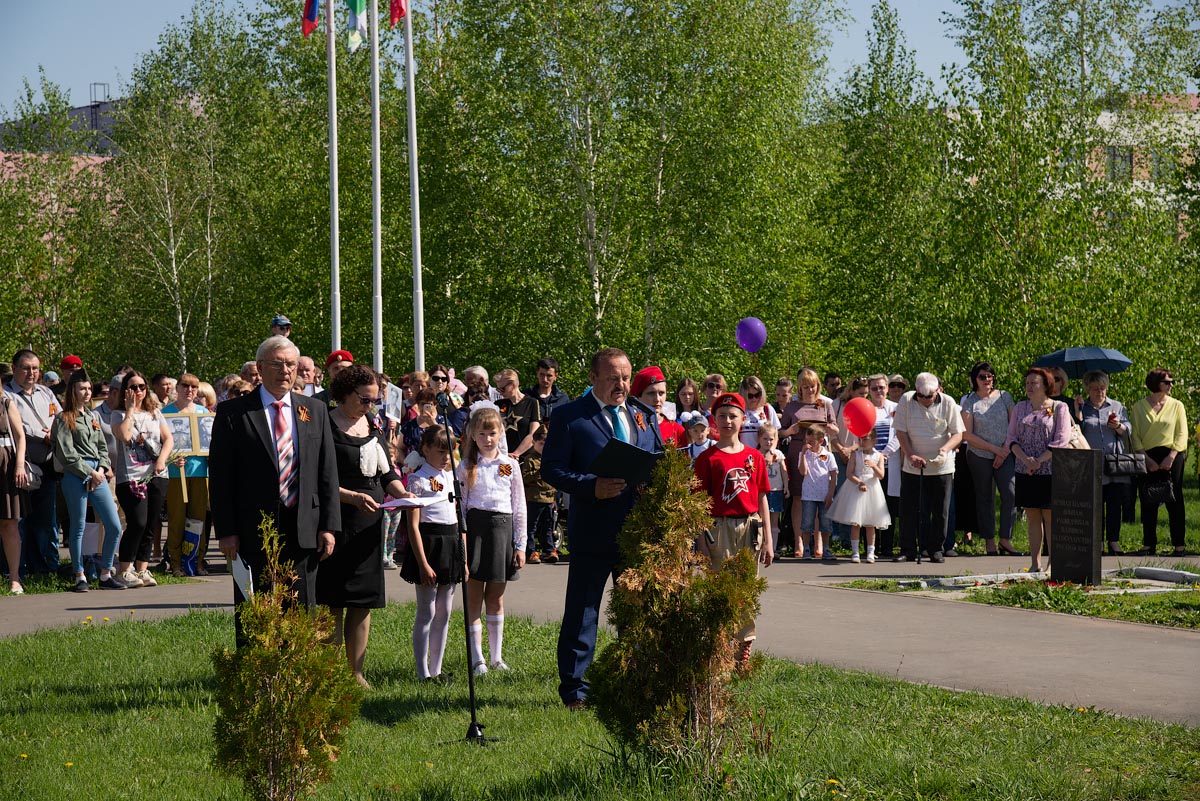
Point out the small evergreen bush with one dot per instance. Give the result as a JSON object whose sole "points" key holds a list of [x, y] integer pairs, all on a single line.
{"points": [[663, 687], [286, 699]]}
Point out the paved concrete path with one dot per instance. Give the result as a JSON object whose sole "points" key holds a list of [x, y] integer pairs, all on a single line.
{"points": [[1127, 668]]}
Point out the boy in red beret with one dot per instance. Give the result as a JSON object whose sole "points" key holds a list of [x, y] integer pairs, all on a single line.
{"points": [[735, 478]]}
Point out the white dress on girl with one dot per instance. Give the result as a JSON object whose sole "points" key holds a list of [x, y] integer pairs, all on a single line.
{"points": [[852, 506]]}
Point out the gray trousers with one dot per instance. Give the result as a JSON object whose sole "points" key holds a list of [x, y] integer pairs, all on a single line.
{"points": [[983, 475]]}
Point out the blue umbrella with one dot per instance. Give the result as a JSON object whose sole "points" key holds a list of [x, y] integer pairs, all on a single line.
{"points": [[1077, 361]]}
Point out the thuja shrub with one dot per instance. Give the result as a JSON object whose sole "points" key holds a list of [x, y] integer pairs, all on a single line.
{"points": [[287, 697], [663, 686]]}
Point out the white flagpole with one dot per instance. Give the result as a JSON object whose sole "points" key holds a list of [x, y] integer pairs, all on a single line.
{"points": [[376, 200], [414, 192], [335, 282]]}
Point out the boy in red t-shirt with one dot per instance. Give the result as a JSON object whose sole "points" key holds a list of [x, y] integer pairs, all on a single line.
{"points": [[735, 478]]}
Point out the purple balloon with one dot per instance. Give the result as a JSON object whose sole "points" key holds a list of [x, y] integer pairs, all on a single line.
{"points": [[751, 334]]}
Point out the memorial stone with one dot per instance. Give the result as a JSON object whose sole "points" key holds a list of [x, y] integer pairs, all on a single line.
{"points": [[1076, 533]]}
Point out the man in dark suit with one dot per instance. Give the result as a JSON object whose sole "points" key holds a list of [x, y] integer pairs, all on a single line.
{"points": [[272, 453], [579, 430]]}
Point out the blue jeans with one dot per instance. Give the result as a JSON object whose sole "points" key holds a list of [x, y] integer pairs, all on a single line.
{"points": [[77, 497], [39, 528]]}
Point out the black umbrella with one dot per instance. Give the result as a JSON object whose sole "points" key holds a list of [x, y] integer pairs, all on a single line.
{"points": [[1077, 361]]}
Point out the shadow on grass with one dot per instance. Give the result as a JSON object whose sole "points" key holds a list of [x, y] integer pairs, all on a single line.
{"points": [[562, 781], [409, 701], [111, 696]]}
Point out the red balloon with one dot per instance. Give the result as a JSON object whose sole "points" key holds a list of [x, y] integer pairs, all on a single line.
{"points": [[859, 416]]}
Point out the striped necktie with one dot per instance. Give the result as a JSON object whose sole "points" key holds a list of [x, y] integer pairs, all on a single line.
{"points": [[618, 423], [287, 457]]}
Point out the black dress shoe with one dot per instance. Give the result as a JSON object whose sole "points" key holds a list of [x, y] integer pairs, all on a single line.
{"points": [[1115, 551], [950, 552], [1144, 552], [1009, 552], [937, 557]]}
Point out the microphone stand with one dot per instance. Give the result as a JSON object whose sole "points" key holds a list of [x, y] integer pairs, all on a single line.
{"points": [[475, 729]]}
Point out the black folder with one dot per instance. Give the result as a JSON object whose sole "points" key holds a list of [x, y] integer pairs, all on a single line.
{"points": [[621, 460]]}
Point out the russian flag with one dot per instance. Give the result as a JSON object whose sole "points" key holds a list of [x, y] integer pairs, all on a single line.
{"points": [[312, 16]]}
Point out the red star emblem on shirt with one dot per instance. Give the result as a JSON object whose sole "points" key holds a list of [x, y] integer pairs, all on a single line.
{"points": [[737, 481]]}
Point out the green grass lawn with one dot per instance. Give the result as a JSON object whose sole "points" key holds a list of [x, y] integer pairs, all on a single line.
{"points": [[124, 711], [1180, 609]]}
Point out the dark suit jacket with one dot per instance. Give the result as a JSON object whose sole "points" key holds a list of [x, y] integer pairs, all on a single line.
{"points": [[579, 430], [243, 475]]}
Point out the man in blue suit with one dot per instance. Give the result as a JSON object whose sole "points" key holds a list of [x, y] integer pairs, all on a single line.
{"points": [[579, 430]]}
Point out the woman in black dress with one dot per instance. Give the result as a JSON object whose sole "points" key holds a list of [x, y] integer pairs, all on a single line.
{"points": [[350, 582]]}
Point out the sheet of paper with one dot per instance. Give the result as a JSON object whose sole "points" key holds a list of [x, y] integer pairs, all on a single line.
{"points": [[412, 503]]}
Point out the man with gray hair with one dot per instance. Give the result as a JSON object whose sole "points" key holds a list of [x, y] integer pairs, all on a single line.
{"points": [[476, 379], [929, 427], [272, 455]]}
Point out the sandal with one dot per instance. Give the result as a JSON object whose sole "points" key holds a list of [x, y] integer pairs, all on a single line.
{"points": [[1005, 551]]}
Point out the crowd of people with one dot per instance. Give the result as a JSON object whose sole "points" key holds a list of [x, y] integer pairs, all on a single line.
{"points": [[356, 475]]}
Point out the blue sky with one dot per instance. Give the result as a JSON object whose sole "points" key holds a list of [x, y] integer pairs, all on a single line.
{"points": [[100, 42]]}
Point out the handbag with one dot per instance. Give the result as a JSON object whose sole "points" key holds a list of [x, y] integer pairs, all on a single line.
{"points": [[1124, 464], [1076, 439], [32, 471], [1158, 490]]}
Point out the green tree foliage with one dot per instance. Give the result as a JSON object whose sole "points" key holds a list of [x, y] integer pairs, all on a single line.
{"points": [[662, 687], [50, 199], [286, 698]]}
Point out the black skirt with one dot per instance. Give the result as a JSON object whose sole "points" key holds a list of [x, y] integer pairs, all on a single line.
{"points": [[490, 546], [443, 551], [1033, 492], [353, 575]]}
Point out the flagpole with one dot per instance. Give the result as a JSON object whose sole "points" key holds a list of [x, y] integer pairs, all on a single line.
{"points": [[335, 283], [376, 199], [414, 192]]}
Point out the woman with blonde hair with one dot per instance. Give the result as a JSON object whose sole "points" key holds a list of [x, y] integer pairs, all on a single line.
{"points": [[758, 410], [807, 408]]}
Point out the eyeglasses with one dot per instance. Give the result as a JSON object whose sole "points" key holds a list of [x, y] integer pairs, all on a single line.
{"points": [[276, 364], [438, 378], [930, 396], [137, 387], [753, 394], [880, 388], [986, 377], [1170, 382], [365, 401], [237, 393], [712, 385], [897, 385]]}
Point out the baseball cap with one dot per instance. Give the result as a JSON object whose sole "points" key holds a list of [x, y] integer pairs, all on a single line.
{"points": [[280, 320]]}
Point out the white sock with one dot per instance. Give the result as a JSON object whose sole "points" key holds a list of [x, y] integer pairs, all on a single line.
{"points": [[870, 550], [440, 628], [853, 546], [426, 599], [476, 632], [495, 626]]}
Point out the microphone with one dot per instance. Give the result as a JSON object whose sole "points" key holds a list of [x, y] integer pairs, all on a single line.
{"points": [[443, 399]]}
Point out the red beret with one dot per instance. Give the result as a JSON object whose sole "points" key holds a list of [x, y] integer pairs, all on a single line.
{"points": [[729, 399], [644, 378], [70, 361], [338, 356]]}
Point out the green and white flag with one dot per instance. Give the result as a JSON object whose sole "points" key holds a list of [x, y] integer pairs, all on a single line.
{"points": [[358, 22]]}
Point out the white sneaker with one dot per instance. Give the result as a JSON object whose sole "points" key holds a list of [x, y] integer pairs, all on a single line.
{"points": [[499, 665], [388, 564], [147, 579], [870, 559], [480, 669], [854, 558], [131, 578]]}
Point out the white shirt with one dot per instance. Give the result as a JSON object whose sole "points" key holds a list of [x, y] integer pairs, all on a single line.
{"points": [[267, 400], [622, 410], [498, 488], [429, 481]]}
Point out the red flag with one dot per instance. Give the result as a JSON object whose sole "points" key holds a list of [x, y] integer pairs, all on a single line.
{"points": [[312, 16], [397, 8]]}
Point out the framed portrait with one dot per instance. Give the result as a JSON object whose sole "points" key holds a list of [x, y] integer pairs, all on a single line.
{"points": [[183, 429], [204, 428]]}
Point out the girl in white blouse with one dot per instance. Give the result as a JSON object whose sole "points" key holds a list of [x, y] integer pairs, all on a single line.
{"points": [[494, 500]]}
